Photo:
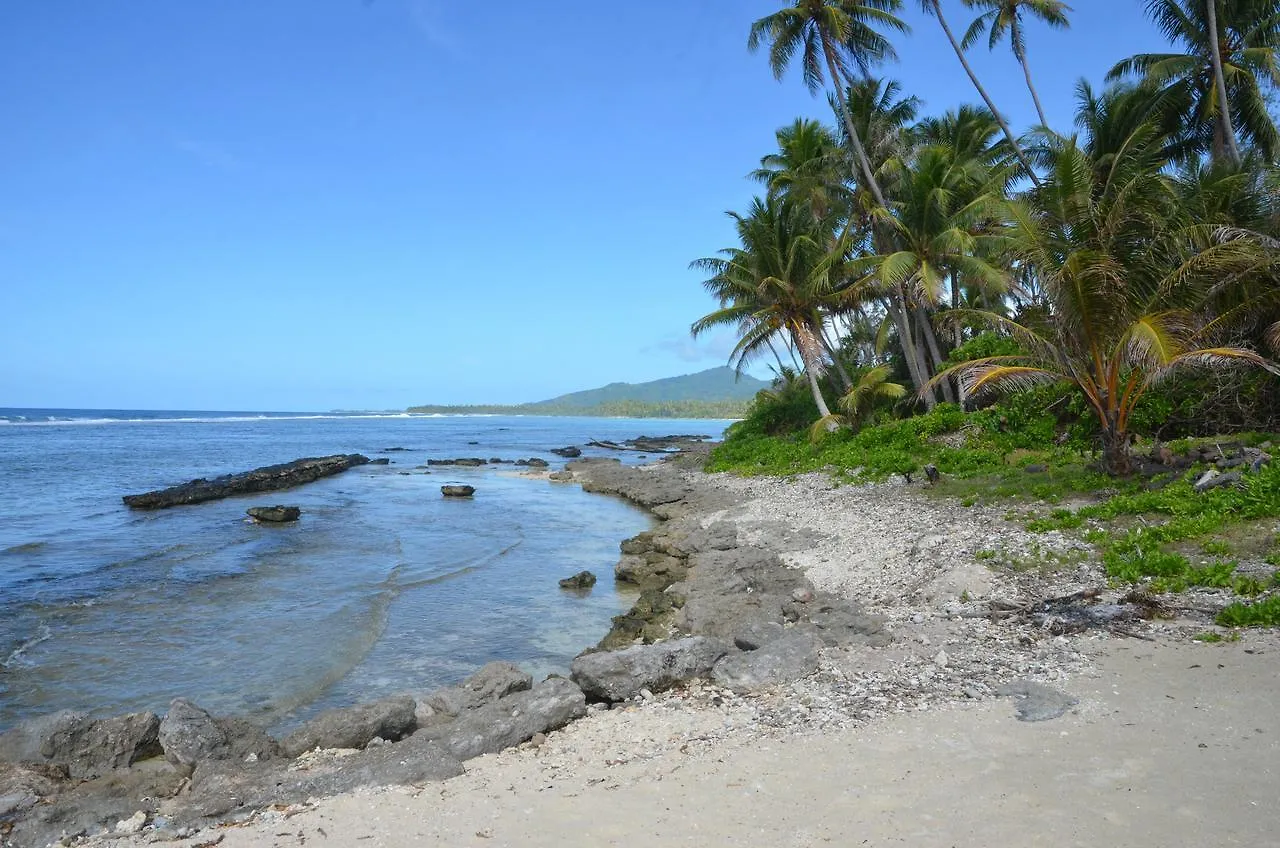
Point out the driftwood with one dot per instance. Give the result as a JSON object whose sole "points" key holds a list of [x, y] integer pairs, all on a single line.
{"points": [[1078, 612]]}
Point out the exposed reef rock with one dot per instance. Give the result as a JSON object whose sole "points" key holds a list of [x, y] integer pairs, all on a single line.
{"points": [[266, 479], [274, 514]]}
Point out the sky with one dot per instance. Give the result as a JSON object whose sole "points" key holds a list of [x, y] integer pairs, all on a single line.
{"points": [[366, 204]]}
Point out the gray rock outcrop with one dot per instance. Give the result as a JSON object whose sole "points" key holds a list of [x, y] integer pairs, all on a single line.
{"points": [[509, 721], [354, 727], [84, 746], [618, 675], [493, 681], [778, 661]]}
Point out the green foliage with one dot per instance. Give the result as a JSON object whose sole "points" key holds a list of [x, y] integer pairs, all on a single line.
{"points": [[1264, 613]]}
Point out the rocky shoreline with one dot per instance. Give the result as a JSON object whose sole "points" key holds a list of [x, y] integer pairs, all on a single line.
{"points": [[764, 605]]}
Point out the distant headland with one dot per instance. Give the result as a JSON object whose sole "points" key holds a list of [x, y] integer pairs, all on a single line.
{"points": [[714, 393]]}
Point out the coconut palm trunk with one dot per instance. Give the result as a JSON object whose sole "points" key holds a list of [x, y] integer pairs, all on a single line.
{"points": [[935, 351], [1026, 69], [811, 354], [860, 152], [846, 381], [936, 8], [911, 351], [1220, 83]]}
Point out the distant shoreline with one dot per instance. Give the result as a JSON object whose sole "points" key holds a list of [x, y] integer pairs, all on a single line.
{"points": [[685, 409]]}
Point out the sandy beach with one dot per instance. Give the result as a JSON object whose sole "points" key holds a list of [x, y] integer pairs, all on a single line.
{"points": [[1170, 741]]}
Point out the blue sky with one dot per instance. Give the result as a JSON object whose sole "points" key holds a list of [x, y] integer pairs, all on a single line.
{"points": [[321, 204]]}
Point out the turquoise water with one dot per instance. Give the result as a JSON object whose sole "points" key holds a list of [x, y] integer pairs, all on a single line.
{"points": [[382, 587]]}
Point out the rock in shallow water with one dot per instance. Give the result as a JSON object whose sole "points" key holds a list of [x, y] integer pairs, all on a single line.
{"points": [[581, 580], [457, 491], [274, 514]]}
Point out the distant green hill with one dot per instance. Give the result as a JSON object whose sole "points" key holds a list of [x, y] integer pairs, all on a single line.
{"points": [[714, 393]]}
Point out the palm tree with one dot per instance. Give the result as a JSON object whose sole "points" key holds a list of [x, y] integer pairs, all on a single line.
{"points": [[777, 282], [1222, 81], [944, 228], [934, 8], [833, 37], [806, 168], [1125, 270], [872, 385], [1001, 16]]}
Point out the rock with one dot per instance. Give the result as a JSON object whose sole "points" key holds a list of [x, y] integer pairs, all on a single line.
{"points": [[189, 734], [469, 462], [941, 659], [393, 450], [561, 476], [839, 623], [134, 824], [390, 718], [275, 514], [266, 479], [581, 580], [720, 536], [220, 788], [1037, 702], [509, 721], [1162, 455], [802, 595], [568, 453], [618, 675], [648, 619], [651, 569], [536, 463], [1035, 468], [1213, 480], [969, 579], [493, 681], [457, 490], [85, 747], [382, 460], [931, 474], [782, 660], [757, 634]]}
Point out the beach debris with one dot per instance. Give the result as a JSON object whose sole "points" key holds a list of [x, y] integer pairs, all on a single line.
{"points": [[581, 580], [619, 675], [266, 479], [1036, 702], [457, 490], [277, 514]]}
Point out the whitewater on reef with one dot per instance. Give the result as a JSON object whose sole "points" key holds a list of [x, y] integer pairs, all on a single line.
{"points": [[383, 586]]}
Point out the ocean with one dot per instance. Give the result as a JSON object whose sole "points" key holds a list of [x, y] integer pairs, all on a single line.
{"points": [[382, 587]]}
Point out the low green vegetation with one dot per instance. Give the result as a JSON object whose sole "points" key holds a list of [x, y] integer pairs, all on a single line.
{"points": [[1157, 531]]}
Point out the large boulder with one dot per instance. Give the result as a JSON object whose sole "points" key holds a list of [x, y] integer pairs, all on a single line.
{"points": [[493, 681], [189, 734], [618, 675], [651, 569], [85, 746], [778, 661], [389, 719], [508, 721], [581, 580]]}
